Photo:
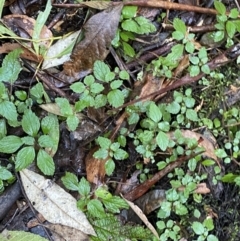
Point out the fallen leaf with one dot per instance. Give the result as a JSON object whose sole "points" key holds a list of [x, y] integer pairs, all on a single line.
{"points": [[65, 233], [25, 54], [95, 168], [7, 235], [99, 32], [56, 205], [142, 216], [60, 52], [25, 25], [203, 142]]}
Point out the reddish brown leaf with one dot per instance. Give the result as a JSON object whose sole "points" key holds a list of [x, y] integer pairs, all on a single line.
{"points": [[99, 32]]}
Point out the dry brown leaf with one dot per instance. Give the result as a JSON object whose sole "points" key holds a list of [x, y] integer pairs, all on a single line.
{"points": [[203, 142], [95, 168], [65, 233], [26, 54], [56, 205], [24, 26], [142, 216], [99, 32]]}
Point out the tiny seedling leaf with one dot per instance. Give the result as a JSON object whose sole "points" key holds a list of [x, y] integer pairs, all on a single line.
{"points": [[115, 98]]}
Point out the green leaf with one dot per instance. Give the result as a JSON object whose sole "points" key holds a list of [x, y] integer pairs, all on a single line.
{"points": [[220, 7], [120, 154], [116, 84], [104, 142], [30, 123], [231, 29], [208, 223], [114, 204], [100, 101], [130, 25], [109, 167], [96, 88], [124, 75], [154, 112], [50, 126], [24, 158], [194, 70], [72, 122], [128, 49], [233, 13], [115, 98], [45, 163], [5, 174], [218, 36], [220, 153], [95, 208], [212, 237], [129, 11], [8, 110], [101, 154], [100, 70], [178, 35], [41, 19], [37, 91], [21, 95], [198, 228], [205, 69], [45, 141], [65, 107], [10, 144], [103, 193], [145, 26], [20, 235], [84, 187], [89, 80], [190, 47], [191, 115], [70, 181], [173, 107], [179, 25], [28, 140], [11, 67], [78, 87], [162, 140]]}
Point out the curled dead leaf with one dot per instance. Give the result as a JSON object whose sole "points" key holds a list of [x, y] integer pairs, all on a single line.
{"points": [[99, 32]]}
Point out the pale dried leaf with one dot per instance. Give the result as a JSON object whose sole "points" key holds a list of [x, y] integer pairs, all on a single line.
{"points": [[99, 32], [56, 205], [60, 52], [142, 216]]}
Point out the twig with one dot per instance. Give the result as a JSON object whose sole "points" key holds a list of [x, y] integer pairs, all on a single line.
{"points": [[144, 187]]}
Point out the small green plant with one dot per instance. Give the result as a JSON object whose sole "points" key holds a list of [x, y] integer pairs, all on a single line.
{"points": [[227, 25], [102, 210], [109, 151], [131, 24]]}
